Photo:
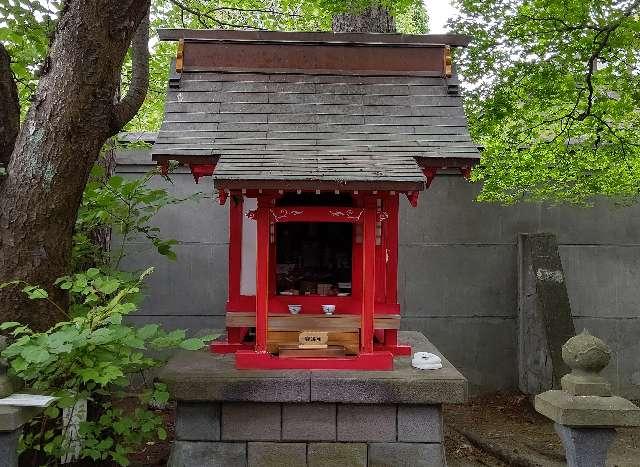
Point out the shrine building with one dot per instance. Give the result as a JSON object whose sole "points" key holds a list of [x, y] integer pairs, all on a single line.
{"points": [[313, 140]]}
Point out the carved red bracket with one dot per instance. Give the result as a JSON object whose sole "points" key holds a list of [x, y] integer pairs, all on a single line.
{"points": [[201, 170], [383, 216], [466, 172], [164, 168], [412, 196], [252, 214], [222, 197], [430, 173]]}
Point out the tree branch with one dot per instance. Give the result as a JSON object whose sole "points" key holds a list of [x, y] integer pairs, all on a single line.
{"points": [[201, 16], [129, 105], [596, 53], [9, 107]]}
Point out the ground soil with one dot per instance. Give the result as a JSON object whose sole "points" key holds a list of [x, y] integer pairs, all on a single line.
{"points": [[504, 429]]}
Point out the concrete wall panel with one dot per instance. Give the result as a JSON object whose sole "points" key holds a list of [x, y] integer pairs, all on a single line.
{"points": [[457, 278], [483, 349]]}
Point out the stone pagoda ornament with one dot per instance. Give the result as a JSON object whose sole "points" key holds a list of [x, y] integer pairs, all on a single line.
{"points": [[585, 412]]}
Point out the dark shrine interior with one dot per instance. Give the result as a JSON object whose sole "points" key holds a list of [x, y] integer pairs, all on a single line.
{"points": [[314, 258]]}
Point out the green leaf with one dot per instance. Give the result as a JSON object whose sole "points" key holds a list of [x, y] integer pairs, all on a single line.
{"points": [[8, 325], [92, 272], [147, 331], [109, 286], [34, 354], [192, 344], [35, 293], [115, 181], [52, 411]]}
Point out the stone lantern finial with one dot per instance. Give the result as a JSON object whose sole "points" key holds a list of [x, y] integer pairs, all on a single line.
{"points": [[587, 356]]}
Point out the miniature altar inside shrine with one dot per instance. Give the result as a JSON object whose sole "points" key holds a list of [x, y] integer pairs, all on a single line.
{"points": [[313, 140]]}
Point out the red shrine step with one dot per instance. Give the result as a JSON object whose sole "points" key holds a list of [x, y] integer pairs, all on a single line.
{"points": [[248, 360], [292, 350]]}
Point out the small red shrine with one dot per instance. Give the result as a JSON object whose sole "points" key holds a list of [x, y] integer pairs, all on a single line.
{"points": [[313, 139]]}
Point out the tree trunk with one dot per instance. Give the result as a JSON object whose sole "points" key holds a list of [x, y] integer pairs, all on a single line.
{"points": [[9, 108], [72, 115], [373, 19]]}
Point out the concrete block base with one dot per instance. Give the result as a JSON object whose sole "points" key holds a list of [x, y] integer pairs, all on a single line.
{"points": [[307, 434], [310, 418]]}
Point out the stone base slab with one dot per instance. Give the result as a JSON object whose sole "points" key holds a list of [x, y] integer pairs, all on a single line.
{"points": [[255, 418], [587, 411]]}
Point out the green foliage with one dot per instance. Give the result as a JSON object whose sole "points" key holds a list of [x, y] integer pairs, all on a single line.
{"points": [[25, 29], [90, 356], [554, 97], [127, 207]]}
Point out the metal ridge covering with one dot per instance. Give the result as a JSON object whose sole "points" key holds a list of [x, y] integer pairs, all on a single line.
{"points": [[453, 40]]}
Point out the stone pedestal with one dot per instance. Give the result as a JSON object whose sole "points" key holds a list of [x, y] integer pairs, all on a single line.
{"points": [[584, 411], [586, 447], [11, 421], [229, 417]]}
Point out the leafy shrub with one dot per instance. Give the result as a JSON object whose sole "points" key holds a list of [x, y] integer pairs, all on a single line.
{"points": [[91, 356]]}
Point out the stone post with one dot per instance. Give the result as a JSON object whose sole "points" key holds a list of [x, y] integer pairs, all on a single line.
{"points": [[584, 411], [11, 418]]}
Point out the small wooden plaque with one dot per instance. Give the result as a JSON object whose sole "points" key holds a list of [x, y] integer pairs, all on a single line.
{"points": [[313, 339]]}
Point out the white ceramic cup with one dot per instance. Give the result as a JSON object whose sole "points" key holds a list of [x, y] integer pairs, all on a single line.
{"points": [[328, 309]]}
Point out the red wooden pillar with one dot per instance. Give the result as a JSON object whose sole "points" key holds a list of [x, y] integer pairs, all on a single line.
{"points": [[262, 273], [392, 208], [368, 278], [235, 247], [391, 230]]}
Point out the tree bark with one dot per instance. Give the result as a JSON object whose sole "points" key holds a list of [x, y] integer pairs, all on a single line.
{"points": [[374, 19], [9, 108], [72, 115]]}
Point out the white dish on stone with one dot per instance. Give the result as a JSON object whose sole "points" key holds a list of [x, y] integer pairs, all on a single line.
{"points": [[294, 309]]}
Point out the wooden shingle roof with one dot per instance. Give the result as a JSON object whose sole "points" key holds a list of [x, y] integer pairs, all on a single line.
{"points": [[320, 127]]}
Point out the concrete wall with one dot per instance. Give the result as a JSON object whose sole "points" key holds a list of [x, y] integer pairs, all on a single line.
{"points": [[458, 274]]}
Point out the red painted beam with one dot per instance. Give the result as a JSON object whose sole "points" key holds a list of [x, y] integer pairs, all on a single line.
{"points": [[316, 214]]}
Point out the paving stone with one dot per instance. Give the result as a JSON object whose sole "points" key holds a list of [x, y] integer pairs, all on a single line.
{"points": [[197, 421], [406, 455], [420, 423], [277, 454], [366, 422], [251, 421], [207, 454], [337, 455], [309, 422]]}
